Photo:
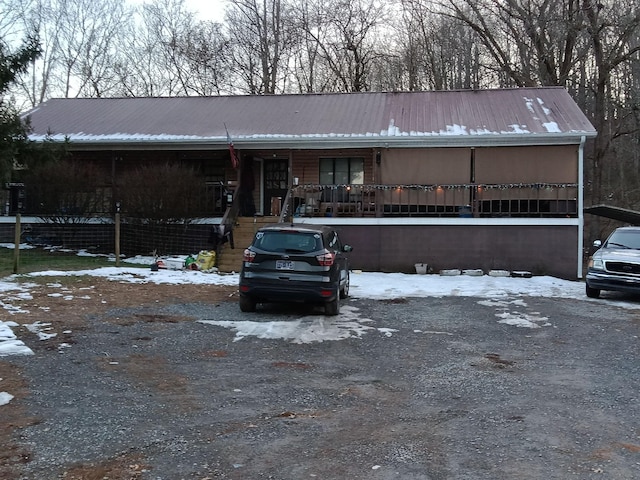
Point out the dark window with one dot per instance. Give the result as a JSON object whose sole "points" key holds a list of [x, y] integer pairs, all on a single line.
{"points": [[288, 242], [341, 171]]}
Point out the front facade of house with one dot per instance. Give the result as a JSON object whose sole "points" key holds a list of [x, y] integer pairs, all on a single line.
{"points": [[458, 180]]}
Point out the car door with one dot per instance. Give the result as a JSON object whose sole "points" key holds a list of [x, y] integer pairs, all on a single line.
{"points": [[334, 245]]}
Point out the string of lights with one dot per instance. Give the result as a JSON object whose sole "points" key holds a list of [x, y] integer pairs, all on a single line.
{"points": [[435, 187]]}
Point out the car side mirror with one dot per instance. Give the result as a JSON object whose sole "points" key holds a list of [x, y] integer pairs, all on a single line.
{"points": [[597, 243], [347, 248]]}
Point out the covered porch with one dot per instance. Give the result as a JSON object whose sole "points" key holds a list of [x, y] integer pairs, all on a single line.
{"points": [[472, 200]]}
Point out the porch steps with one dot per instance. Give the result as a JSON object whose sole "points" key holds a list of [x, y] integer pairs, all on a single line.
{"points": [[230, 259]]}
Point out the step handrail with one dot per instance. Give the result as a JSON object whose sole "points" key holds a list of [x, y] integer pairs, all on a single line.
{"points": [[284, 213], [228, 221]]}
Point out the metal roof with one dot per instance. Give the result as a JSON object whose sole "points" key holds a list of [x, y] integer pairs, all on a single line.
{"points": [[545, 115]]}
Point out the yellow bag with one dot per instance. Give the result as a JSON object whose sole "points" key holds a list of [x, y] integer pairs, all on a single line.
{"points": [[206, 260]]}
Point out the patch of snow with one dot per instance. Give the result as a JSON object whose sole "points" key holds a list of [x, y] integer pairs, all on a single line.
{"points": [[455, 129], [517, 319], [308, 329], [515, 128], [13, 347], [529, 103], [12, 246], [544, 109], [552, 127], [388, 332], [5, 398], [40, 329]]}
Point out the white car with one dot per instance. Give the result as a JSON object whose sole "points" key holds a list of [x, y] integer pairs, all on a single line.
{"points": [[616, 263]]}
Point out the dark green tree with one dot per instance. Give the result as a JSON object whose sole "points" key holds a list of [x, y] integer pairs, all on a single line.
{"points": [[14, 143]]}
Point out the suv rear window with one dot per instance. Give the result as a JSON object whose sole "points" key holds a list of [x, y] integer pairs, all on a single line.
{"points": [[297, 242]]}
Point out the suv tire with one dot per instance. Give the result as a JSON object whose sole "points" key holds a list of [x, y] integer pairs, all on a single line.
{"points": [[247, 304], [344, 291], [332, 308], [592, 292]]}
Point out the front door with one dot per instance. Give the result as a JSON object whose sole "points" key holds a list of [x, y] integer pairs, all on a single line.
{"points": [[276, 184]]}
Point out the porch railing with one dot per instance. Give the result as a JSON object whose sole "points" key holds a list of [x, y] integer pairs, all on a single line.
{"points": [[453, 200]]}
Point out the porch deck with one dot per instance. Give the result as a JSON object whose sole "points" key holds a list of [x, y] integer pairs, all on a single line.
{"points": [[458, 200]]}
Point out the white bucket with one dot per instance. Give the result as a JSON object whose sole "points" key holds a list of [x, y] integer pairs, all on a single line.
{"points": [[421, 268]]}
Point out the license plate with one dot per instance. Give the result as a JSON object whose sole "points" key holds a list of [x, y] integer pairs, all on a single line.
{"points": [[284, 265]]}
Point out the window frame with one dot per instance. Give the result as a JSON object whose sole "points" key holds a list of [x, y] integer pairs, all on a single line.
{"points": [[355, 167]]}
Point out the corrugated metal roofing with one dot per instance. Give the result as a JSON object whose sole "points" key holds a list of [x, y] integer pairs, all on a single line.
{"points": [[473, 117]]}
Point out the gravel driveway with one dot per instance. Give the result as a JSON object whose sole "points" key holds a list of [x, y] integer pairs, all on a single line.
{"points": [[435, 388]]}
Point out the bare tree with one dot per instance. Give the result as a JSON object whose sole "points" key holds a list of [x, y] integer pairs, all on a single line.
{"points": [[438, 51], [86, 37], [65, 189], [168, 22], [307, 71], [38, 83], [161, 194], [345, 35], [204, 50], [142, 72], [527, 42], [78, 51], [613, 31], [12, 26], [261, 43], [165, 48]]}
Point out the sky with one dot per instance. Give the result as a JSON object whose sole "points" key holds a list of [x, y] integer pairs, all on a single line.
{"points": [[507, 294], [206, 9]]}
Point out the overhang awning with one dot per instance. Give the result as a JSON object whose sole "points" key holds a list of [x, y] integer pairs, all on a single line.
{"points": [[631, 217]]}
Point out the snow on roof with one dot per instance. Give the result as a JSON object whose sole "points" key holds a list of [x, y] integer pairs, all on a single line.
{"points": [[349, 119]]}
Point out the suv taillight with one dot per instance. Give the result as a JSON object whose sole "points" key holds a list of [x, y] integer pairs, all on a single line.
{"points": [[248, 255], [326, 259]]}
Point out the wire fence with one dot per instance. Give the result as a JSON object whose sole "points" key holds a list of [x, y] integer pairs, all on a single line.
{"points": [[43, 239]]}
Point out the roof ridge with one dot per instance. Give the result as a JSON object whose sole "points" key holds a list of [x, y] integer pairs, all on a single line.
{"points": [[312, 94]]}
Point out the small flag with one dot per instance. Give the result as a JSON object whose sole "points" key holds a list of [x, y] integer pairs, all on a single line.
{"points": [[232, 150]]}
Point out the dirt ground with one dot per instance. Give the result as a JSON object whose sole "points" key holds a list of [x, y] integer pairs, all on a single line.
{"points": [[91, 297]]}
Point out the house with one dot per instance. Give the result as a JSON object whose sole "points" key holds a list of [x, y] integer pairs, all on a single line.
{"points": [[487, 179]]}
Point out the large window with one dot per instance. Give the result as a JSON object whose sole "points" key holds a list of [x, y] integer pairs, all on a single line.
{"points": [[341, 171]]}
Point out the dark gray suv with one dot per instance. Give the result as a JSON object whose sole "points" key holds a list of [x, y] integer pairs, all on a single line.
{"points": [[295, 263], [616, 263]]}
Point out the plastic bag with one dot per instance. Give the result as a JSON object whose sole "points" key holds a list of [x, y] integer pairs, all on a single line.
{"points": [[206, 260]]}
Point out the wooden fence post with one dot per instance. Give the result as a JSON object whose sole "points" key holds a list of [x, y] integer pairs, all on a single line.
{"points": [[16, 242], [117, 237]]}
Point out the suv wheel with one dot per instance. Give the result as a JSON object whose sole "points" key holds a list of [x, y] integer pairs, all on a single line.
{"points": [[344, 291], [592, 292], [247, 304], [333, 307]]}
